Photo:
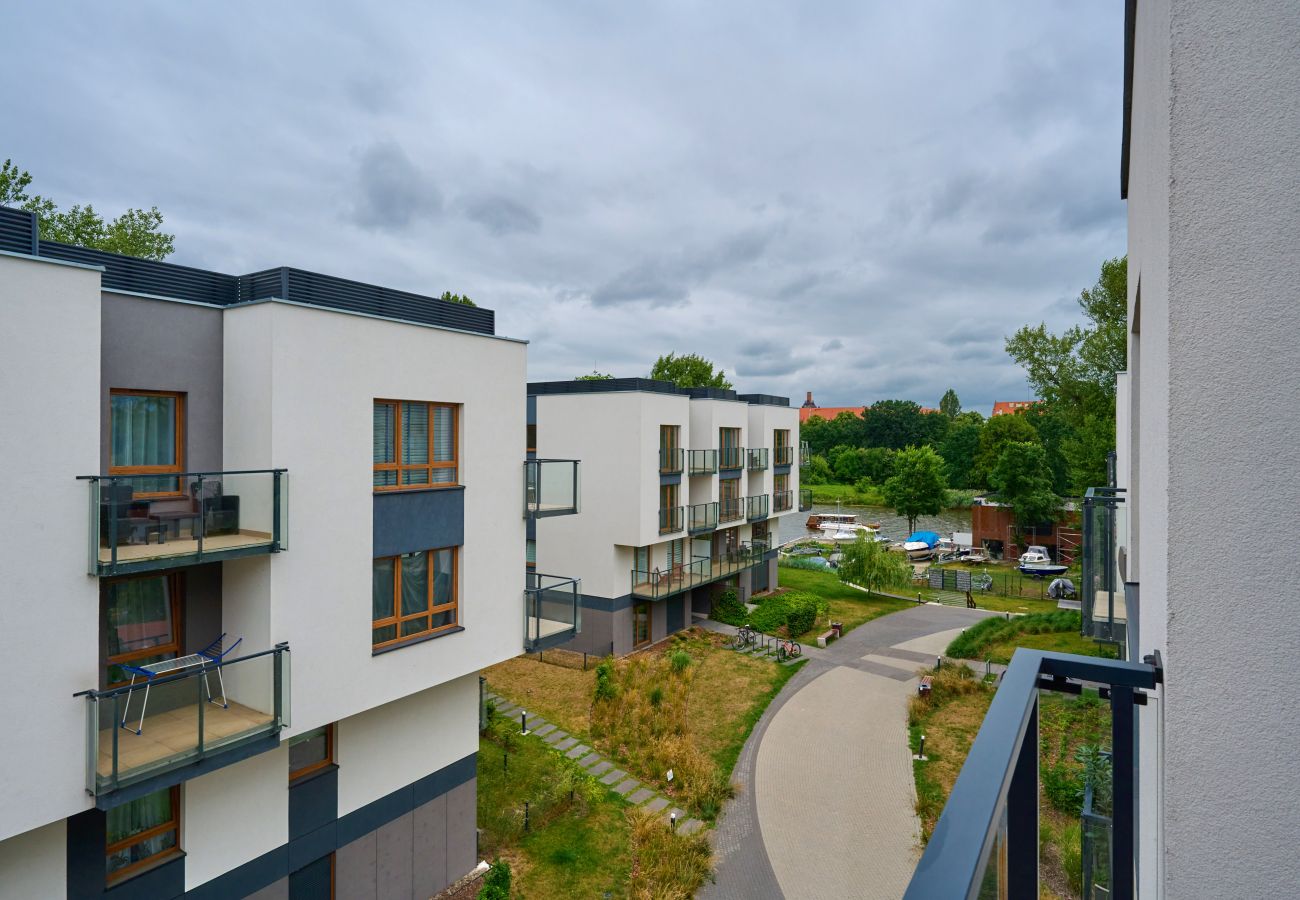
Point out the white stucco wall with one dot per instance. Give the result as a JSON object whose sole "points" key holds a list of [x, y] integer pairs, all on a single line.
{"points": [[35, 864], [299, 393], [1214, 213], [49, 605], [234, 815]]}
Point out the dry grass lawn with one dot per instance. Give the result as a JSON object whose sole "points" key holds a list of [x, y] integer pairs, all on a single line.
{"points": [[556, 693]]}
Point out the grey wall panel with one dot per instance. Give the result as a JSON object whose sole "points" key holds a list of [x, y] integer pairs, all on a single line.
{"points": [[354, 869], [407, 521], [393, 866], [278, 890], [675, 613], [157, 345], [429, 869], [462, 842], [621, 629], [203, 607]]}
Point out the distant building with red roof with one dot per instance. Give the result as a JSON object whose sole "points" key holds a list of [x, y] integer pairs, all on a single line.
{"points": [[1011, 407], [810, 409]]}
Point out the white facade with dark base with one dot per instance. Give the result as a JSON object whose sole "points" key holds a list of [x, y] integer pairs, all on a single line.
{"points": [[311, 490]]}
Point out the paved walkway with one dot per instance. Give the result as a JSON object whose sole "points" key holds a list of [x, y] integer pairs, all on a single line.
{"points": [[825, 806]]}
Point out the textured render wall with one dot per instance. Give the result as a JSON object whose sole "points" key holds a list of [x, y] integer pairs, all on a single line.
{"points": [[49, 359], [1232, 798], [300, 387], [35, 864], [235, 815]]}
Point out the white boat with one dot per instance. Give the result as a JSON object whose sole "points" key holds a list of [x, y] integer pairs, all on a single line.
{"points": [[1038, 562], [845, 527], [920, 546]]}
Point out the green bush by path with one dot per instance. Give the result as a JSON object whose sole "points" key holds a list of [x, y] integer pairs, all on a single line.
{"points": [[994, 638], [794, 611], [728, 608]]}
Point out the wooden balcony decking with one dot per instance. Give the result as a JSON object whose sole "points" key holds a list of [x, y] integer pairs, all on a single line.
{"points": [[539, 629], [184, 546], [173, 735]]}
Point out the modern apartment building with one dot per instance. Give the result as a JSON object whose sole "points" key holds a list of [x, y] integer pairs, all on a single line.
{"points": [[1181, 570], [277, 501], [682, 493]]}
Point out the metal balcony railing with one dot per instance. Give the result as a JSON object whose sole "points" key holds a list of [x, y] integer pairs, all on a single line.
{"points": [[159, 725], [1103, 593], [552, 487], [783, 501], [804, 453], [702, 462], [702, 517], [731, 458], [757, 459], [805, 499], [656, 583], [552, 611], [670, 460], [144, 523], [756, 506], [671, 519], [783, 456], [986, 840], [730, 509]]}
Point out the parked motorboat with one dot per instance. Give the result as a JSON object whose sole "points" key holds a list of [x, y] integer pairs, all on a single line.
{"points": [[972, 557], [1037, 561], [921, 544]]}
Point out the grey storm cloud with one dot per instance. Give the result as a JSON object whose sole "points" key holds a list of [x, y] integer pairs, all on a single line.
{"points": [[807, 214]]}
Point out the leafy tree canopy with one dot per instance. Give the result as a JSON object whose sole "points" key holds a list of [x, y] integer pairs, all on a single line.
{"points": [[870, 565], [900, 423], [996, 433], [688, 371], [918, 486], [136, 232], [594, 376], [1024, 482], [457, 298], [959, 450], [950, 406]]}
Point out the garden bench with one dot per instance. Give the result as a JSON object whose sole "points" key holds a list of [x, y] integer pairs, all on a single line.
{"points": [[825, 637], [924, 687]]}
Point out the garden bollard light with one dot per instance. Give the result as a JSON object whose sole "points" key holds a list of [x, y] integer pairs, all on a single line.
{"points": [[672, 821], [523, 721], [922, 753], [505, 762], [938, 662], [525, 815]]}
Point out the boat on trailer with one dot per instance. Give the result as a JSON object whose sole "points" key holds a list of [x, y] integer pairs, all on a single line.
{"points": [[921, 544], [1037, 561]]}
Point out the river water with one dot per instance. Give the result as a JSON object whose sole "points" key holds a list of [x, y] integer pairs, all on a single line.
{"points": [[892, 526]]}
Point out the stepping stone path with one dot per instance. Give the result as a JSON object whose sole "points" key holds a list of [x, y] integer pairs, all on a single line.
{"points": [[596, 765]]}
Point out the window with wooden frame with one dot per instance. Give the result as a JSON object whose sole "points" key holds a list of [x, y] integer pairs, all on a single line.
{"points": [[141, 623], [531, 438], [414, 594], [142, 833], [311, 752], [415, 444], [640, 624], [147, 439]]}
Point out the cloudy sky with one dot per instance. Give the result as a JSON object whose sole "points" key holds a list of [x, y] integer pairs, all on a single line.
{"points": [[861, 199]]}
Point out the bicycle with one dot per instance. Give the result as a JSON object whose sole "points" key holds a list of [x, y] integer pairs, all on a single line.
{"points": [[788, 650], [745, 637]]}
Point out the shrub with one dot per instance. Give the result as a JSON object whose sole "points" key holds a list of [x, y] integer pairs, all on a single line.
{"points": [[605, 687], [496, 883], [1063, 788], [656, 696], [794, 611], [978, 638], [802, 562], [728, 608], [679, 660], [669, 866]]}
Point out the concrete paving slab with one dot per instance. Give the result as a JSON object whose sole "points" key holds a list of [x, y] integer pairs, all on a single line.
{"points": [[601, 767], [616, 775], [690, 826], [641, 796], [589, 759], [555, 737], [544, 730], [566, 743], [655, 805], [626, 787], [578, 751]]}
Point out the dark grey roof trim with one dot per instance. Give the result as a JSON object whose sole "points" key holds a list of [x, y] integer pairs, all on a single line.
{"points": [[1130, 26], [649, 385]]}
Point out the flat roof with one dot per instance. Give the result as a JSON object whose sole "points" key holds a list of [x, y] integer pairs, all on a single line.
{"points": [[649, 385]]}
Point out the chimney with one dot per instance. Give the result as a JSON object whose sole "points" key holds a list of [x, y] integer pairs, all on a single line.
{"points": [[808, 404]]}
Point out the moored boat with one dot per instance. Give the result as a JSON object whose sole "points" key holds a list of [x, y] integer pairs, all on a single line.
{"points": [[921, 545]]}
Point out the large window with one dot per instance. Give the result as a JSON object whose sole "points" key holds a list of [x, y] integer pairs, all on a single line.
{"points": [[141, 623], [311, 752], [147, 439], [142, 832], [414, 444], [414, 594], [640, 624]]}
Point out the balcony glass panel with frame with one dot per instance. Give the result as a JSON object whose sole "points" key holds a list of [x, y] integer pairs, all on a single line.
{"points": [[552, 487], [756, 506], [552, 611], [702, 462], [805, 499], [702, 517], [756, 459], [656, 583], [1103, 601]]}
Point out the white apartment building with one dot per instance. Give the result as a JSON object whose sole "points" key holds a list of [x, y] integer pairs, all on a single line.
{"points": [[275, 501], [682, 492], [1185, 571]]}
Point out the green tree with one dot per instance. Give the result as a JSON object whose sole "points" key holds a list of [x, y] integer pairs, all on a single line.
{"points": [[1024, 482], [918, 486], [878, 464], [689, 371], [818, 471], [895, 424], [847, 463], [950, 406], [997, 433], [824, 435], [594, 376], [136, 232], [959, 449], [457, 298], [869, 564]]}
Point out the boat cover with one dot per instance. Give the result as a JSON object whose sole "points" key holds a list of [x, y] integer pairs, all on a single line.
{"points": [[929, 538]]}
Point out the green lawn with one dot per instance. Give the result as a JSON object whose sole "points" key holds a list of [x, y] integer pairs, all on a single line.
{"points": [[996, 639], [847, 605]]}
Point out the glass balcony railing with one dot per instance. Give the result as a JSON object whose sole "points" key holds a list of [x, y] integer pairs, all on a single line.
{"points": [[985, 843], [730, 509], [756, 507], [702, 462], [757, 459], [198, 711], [143, 523], [670, 460], [656, 583], [551, 488], [783, 501], [552, 611], [1094, 842], [783, 456], [805, 499], [671, 519], [1103, 599], [702, 517], [804, 453], [731, 458]]}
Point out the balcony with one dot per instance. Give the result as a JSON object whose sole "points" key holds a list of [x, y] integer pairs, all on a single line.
{"points": [[805, 499], [804, 453], [657, 584], [756, 459], [783, 456], [1103, 597], [702, 517], [986, 840], [671, 519], [756, 507], [731, 458], [731, 509], [783, 501], [551, 488], [552, 611], [143, 523], [670, 460], [702, 462], [179, 726]]}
